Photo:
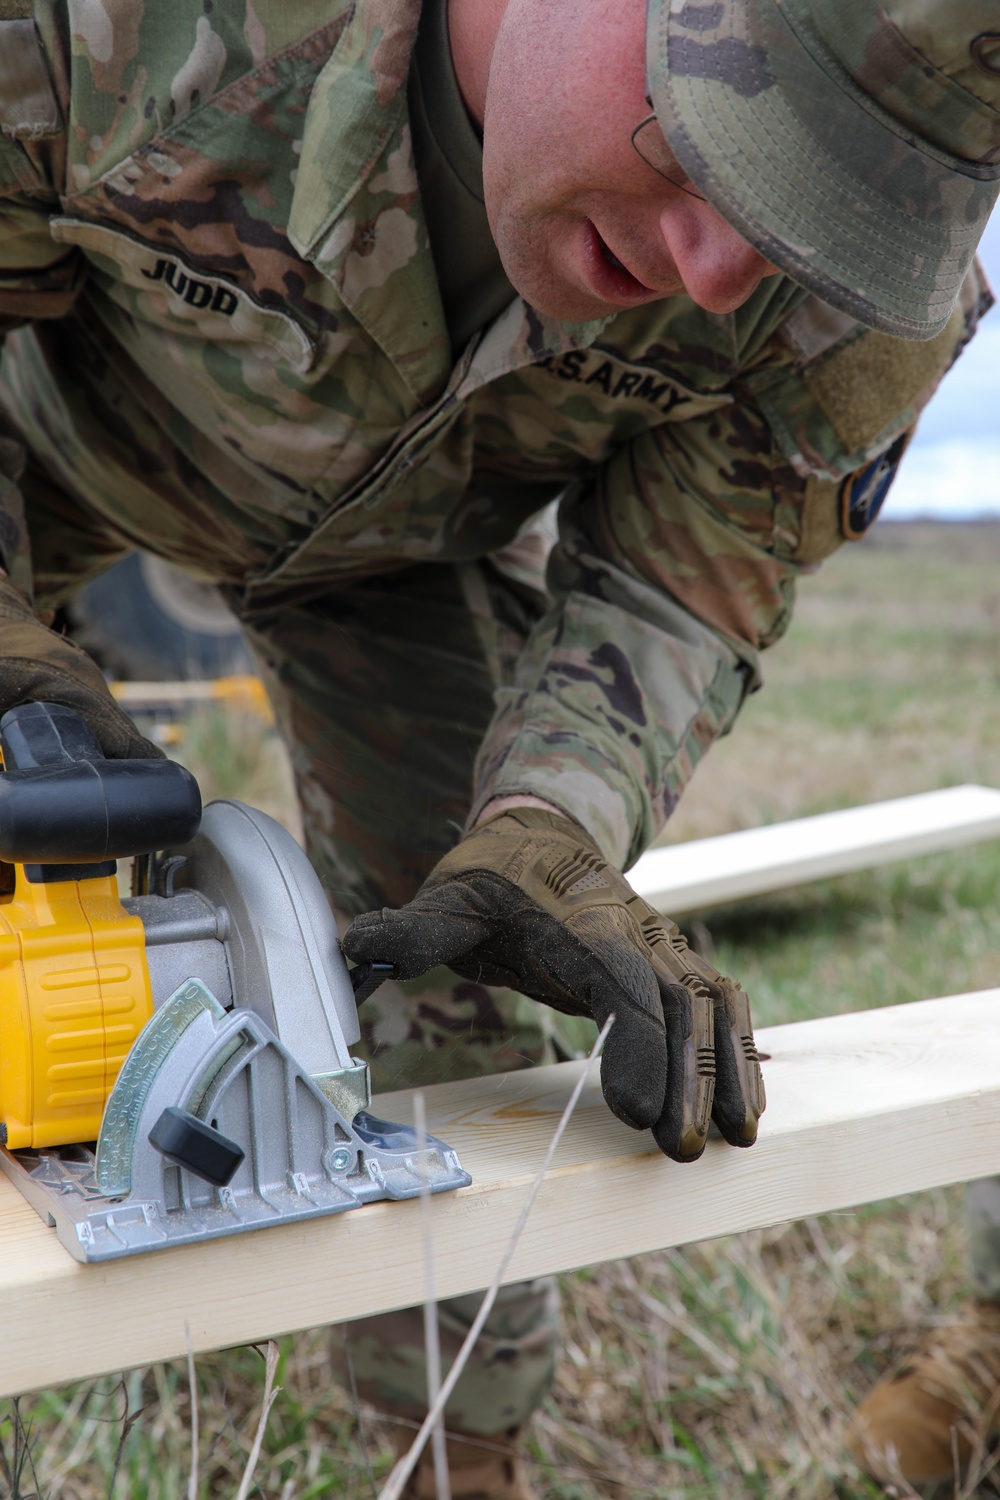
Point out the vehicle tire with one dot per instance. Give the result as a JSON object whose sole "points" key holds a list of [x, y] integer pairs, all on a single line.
{"points": [[146, 620]]}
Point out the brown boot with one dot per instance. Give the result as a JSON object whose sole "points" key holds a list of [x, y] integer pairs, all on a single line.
{"points": [[939, 1406], [479, 1467]]}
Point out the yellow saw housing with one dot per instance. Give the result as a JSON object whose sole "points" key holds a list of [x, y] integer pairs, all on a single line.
{"points": [[74, 995]]}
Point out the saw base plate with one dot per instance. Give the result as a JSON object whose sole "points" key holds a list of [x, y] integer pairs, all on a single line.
{"points": [[301, 1157], [61, 1186]]}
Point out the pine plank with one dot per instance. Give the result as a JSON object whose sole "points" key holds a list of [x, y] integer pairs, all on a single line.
{"points": [[861, 1107], [707, 872]]}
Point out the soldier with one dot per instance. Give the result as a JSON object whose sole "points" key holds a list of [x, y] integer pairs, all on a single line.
{"points": [[327, 303]]}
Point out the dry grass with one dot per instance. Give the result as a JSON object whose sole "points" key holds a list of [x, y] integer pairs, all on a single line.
{"points": [[727, 1368], [236, 754]]}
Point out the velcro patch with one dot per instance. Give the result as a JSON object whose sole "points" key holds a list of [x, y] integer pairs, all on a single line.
{"points": [[866, 385], [862, 493]]}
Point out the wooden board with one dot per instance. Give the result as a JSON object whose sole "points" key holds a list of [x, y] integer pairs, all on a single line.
{"points": [[706, 872], [860, 1107]]}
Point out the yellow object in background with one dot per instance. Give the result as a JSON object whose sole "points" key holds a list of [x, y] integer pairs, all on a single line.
{"points": [[243, 691], [74, 995]]}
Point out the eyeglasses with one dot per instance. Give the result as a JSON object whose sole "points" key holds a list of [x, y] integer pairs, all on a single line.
{"points": [[650, 144]]}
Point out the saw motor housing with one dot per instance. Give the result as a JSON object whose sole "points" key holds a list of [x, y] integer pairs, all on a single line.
{"points": [[74, 995], [74, 983]]}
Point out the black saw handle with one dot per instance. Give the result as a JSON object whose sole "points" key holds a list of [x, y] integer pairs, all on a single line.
{"points": [[63, 804]]}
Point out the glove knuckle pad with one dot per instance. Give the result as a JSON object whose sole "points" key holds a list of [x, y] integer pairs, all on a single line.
{"points": [[740, 1097]]}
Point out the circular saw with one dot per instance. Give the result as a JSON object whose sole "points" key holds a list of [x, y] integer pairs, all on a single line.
{"points": [[174, 1064]]}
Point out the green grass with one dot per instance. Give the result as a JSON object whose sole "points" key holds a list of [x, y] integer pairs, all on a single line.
{"points": [[880, 938], [727, 1368]]}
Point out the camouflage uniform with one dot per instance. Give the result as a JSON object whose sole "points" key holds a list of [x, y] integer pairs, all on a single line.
{"points": [[228, 347], [982, 1214]]}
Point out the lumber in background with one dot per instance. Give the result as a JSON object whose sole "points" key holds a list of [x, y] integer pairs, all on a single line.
{"points": [[706, 872], [861, 1107]]}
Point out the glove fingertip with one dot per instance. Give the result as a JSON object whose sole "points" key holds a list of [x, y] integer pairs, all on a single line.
{"points": [[625, 1110], [739, 1091], [737, 1127], [733, 1109], [633, 1083], [363, 923], [413, 938], [687, 1149], [374, 937], [140, 748]]}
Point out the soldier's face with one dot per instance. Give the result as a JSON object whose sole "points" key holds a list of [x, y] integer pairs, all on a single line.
{"points": [[584, 227]]}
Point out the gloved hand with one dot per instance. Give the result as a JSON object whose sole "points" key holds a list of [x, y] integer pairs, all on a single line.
{"points": [[39, 666], [526, 901]]}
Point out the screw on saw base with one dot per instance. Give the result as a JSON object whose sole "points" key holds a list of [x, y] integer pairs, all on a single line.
{"points": [[340, 1159]]}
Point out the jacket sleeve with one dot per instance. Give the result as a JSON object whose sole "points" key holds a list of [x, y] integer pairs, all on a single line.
{"points": [[677, 562], [38, 277]]}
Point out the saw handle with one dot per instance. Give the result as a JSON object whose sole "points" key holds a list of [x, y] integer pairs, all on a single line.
{"points": [[62, 803]]}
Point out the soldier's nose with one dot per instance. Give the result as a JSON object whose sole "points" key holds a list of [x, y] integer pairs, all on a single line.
{"points": [[717, 266]]}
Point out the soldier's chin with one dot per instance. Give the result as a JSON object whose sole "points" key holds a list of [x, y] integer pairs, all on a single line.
{"points": [[556, 298], [534, 259]]}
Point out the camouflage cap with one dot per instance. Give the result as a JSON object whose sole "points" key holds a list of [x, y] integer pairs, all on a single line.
{"points": [[856, 144]]}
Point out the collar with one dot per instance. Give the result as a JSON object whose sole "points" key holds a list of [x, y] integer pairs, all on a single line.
{"points": [[356, 213]]}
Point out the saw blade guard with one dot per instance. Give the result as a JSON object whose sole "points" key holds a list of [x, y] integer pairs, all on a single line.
{"points": [[281, 940]]}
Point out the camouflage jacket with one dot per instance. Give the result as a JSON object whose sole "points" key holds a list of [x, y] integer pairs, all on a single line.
{"points": [[230, 343]]}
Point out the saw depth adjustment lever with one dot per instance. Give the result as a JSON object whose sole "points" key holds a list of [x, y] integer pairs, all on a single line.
{"points": [[188, 1142]]}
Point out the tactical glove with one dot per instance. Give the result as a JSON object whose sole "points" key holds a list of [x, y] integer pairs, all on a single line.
{"points": [[526, 901], [39, 666]]}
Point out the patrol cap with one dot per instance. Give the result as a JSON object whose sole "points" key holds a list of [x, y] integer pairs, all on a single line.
{"points": [[855, 144]]}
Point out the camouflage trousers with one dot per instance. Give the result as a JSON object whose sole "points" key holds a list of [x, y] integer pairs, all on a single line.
{"points": [[982, 1213], [383, 691]]}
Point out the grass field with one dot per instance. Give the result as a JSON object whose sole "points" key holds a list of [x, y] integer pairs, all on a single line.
{"points": [[725, 1368]]}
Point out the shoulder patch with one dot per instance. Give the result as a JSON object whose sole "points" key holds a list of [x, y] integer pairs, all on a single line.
{"points": [[863, 493]]}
